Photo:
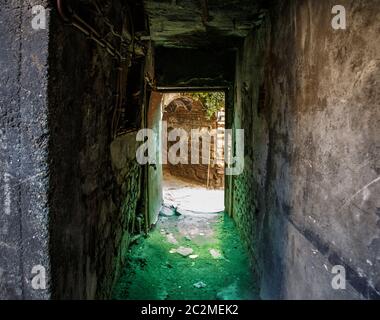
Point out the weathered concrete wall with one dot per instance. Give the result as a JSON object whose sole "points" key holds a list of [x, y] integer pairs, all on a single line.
{"points": [[23, 150], [95, 179], [154, 172], [308, 98]]}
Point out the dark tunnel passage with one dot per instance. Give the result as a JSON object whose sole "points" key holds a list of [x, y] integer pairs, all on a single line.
{"points": [[84, 189]]}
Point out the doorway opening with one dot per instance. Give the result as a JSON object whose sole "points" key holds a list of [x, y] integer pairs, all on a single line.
{"points": [[193, 250], [193, 131]]}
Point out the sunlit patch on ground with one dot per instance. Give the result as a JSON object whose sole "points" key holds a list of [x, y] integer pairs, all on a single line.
{"points": [[185, 195]]}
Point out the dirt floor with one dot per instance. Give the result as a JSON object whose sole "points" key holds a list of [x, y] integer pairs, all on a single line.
{"points": [[187, 257], [188, 195]]}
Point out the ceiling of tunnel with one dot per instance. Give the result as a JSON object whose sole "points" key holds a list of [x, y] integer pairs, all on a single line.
{"points": [[201, 23]]}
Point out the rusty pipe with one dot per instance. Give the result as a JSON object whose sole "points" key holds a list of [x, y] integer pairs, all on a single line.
{"points": [[77, 22], [61, 11]]}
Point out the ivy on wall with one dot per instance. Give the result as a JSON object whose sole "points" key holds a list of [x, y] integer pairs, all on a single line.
{"points": [[213, 102]]}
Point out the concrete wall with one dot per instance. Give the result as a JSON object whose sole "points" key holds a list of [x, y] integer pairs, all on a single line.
{"points": [[23, 150], [154, 172], [94, 178], [308, 98], [70, 192]]}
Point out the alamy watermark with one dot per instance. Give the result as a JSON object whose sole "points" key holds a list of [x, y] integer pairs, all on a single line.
{"points": [[200, 147], [39, 277], [338, 282], [39, 17], [339, 21]]}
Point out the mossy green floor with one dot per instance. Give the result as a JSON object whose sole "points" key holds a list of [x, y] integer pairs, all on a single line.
{"points": [[155, 272]]}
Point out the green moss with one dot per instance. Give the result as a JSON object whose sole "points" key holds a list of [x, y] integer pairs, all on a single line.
{"points": [[154, 273]]}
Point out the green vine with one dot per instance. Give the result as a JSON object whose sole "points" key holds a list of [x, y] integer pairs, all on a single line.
{"points": [[213, 102]]}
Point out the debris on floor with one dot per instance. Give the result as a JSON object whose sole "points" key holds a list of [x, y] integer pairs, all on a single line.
{"points": [[184, 251], [200, 284], [215, 254], [156, 271], [171, 239], [167, 211]]}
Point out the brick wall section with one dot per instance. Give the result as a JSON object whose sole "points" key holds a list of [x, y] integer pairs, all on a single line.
{"points": [[178, 116]]}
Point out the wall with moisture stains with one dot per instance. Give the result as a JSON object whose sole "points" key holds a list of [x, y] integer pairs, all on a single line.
{"points": [[94, 177], [308, 98]]}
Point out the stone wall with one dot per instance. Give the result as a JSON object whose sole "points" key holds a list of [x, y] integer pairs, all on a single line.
{"points": [[307, 96], [94, 178], [184, 113]]}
